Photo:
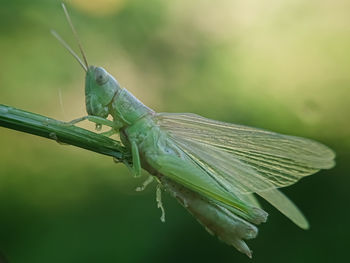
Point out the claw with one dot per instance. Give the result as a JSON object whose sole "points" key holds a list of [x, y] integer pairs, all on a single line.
{"points": [[98, 126]]}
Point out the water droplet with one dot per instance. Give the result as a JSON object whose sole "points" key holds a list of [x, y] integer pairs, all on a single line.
{"points": [[53, 136], [46, 123], [116, 160]]}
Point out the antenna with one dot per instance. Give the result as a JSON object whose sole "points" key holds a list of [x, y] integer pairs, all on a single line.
{"points": [[75, 34], [66, 46]]}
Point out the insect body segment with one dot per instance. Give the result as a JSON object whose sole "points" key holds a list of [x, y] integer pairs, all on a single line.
{"points": [[128, 108]]}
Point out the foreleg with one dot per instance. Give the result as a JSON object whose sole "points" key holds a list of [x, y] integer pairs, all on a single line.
{"points": [[98, 120]]}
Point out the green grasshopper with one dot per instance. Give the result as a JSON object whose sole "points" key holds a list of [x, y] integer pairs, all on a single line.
{"points": [[213, 168]]}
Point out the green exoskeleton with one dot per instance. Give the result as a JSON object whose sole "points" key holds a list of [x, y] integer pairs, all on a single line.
{"points": [[213, 168]]}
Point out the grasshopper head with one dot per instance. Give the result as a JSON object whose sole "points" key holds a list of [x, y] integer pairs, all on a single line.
{"points": [[100, 86], [100, 89]]}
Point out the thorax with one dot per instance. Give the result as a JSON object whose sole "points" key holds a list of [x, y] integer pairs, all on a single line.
{"points": [[126, 108], [145, 132]]}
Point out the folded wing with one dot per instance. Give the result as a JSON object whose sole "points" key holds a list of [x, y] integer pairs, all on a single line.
{"points": [[248, 160]]}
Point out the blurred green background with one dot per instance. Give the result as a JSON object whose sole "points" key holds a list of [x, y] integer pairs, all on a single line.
{"points": [[281, 65]]}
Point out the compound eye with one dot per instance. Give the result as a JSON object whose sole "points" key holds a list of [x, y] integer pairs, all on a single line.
{"points": [[101, 76]]}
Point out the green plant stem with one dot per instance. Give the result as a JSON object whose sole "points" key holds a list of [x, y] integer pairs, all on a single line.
{"points": [[59, 131], [216, 219]]}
